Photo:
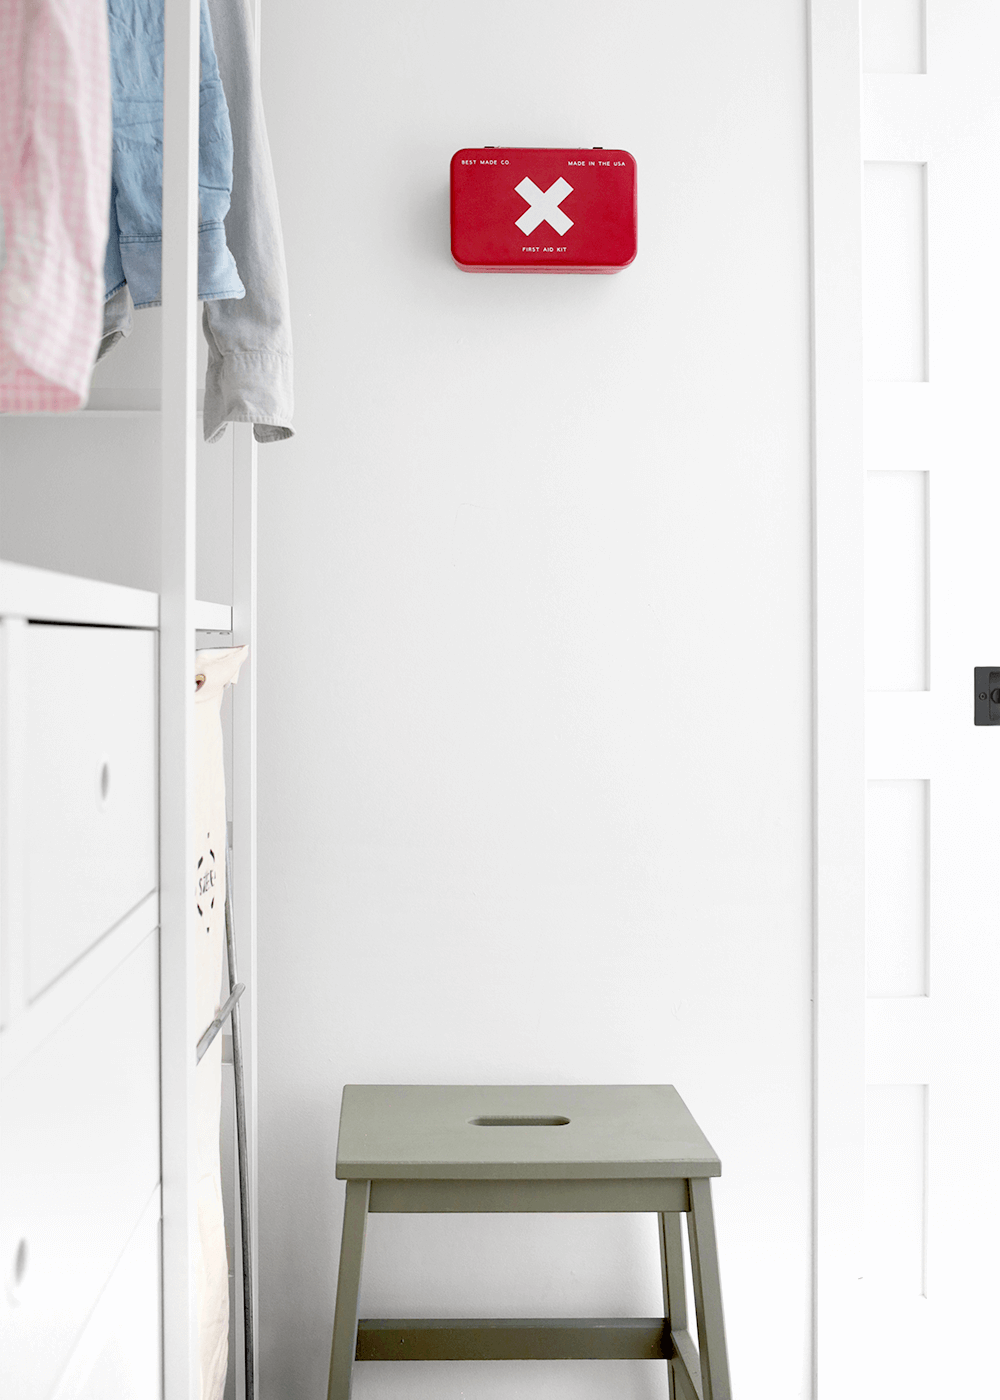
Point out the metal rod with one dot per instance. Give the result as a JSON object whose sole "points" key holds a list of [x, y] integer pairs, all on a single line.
{"points": [[241, 1141], [220, 1021]]}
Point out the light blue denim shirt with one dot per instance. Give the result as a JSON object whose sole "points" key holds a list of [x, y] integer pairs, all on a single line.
{"points": [[248, 378], [133, 256]]}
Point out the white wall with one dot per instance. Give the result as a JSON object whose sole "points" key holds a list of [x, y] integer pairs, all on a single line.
{"points": [[535, 656]]}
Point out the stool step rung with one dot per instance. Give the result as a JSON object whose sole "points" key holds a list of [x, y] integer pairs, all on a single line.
{"points": [[514, 1339]]}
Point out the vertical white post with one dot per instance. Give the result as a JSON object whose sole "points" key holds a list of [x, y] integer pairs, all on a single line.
{"points": [[245, 793], [839, 695], [245, 801], [177, 637]]}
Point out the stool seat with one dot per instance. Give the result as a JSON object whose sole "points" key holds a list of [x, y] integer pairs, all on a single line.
{"points": [[521, 1132], [531, 1148]]}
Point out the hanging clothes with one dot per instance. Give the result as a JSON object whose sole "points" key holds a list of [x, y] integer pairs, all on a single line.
{"points": [[135, 238], [55, 158], [249, 375]]}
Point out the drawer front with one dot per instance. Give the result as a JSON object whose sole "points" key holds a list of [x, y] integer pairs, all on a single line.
{"points": [[79, 1160], [119, 1356], [89, 788]]}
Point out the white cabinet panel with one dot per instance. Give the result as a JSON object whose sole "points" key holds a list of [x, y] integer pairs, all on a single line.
{"points": [[89, 788], [130, 1365], [119, 1356], [79, 1160], [894, 36], [895, 289], [897, 576]]}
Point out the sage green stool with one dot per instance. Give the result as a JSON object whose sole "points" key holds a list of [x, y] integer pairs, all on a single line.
{"points": [[457, 1148]]}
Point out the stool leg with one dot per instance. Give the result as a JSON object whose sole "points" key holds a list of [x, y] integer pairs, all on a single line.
{"points": [[345, 1318], [672, 1272], [707, 1293]]}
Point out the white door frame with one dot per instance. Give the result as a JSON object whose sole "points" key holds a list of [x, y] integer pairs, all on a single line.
{"points": [[836, 211]]}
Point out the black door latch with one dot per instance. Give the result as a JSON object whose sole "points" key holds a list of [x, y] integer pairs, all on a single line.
{"points": [[988, 694]]}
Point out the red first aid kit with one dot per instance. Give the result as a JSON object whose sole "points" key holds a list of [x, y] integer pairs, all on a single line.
{"points": [[523, 209]]}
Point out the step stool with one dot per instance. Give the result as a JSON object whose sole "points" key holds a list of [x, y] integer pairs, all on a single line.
{"points": [[458, 1148]]}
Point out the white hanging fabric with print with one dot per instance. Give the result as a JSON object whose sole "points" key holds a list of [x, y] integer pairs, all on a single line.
{"points": [[214, 671]]}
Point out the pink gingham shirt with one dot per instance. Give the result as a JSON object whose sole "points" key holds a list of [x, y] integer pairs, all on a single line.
{"points": [[55, 191]]}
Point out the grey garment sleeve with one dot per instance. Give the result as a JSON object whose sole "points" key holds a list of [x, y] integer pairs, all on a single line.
{"points": [[249, 377], [118, 311]]}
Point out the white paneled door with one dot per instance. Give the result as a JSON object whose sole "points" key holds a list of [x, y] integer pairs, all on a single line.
{"points": [[930, 311]]}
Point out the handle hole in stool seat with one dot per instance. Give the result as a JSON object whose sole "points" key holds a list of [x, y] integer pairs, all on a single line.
{"points": [[556, 1121]]}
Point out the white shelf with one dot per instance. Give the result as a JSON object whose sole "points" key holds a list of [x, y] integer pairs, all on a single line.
{"points": [[213, 617], [105, 411], [95, 413], [46, 596]]}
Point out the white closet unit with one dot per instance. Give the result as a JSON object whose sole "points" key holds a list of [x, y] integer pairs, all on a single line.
{"points": [[125, 543]]}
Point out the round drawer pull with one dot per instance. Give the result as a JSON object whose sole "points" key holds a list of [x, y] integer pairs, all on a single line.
{"points": [[103, 782], [18, 1273]]}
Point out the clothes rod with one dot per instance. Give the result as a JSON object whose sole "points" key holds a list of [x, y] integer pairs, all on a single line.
{"points": [[219, 1021]]}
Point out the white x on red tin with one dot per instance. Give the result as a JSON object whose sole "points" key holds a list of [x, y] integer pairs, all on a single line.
{"points": [[543, 205]]}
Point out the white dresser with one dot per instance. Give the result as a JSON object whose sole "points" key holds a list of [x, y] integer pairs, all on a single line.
{"points": [[80, 1310]]}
